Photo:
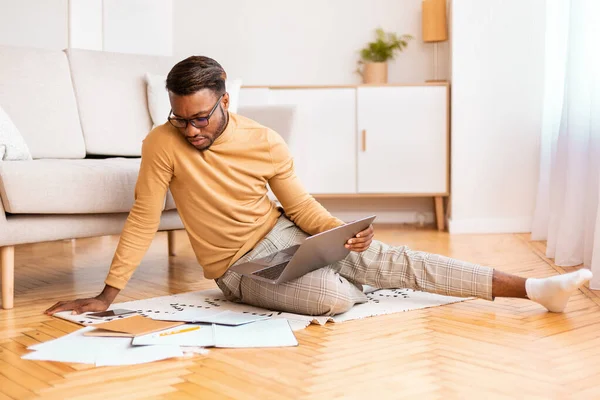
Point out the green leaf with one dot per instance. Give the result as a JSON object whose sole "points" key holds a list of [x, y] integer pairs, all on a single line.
{"points": [[385, 46]]}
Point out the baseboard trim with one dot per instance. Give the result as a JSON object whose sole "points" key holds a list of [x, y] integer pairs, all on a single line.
{"points": [[490, 225]]}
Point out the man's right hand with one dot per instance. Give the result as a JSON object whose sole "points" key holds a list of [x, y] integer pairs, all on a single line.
{"points": [[98, 303]]}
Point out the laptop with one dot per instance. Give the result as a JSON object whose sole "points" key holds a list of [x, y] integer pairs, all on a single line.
{"points": [[315, 252]]}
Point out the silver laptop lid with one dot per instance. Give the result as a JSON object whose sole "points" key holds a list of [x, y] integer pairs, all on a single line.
{"points": [[323, 249]]}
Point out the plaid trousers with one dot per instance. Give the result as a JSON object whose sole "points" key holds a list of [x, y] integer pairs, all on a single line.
{"points": [[336, 288]]}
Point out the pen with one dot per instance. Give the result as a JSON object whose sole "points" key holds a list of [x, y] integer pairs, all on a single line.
{"points": [[193, 328]]}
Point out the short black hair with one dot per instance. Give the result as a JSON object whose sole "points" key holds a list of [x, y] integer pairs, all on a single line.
{"points": [[194, 74]]}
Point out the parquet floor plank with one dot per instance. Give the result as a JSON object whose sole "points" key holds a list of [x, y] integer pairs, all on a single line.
{"points": [[503, 349]]}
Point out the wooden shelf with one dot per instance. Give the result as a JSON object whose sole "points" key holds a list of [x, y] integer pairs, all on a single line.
{"points": [[375, 195], [348, 86]]}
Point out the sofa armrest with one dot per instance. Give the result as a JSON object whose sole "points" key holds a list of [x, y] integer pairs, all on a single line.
{"points": [[280, 118], [2, 214], [4, 231]]}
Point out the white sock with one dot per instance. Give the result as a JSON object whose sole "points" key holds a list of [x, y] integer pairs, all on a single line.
{"points": [[554, 292]]}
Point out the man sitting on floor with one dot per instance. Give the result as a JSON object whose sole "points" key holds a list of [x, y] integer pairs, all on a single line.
{"points": [[218, 164]]}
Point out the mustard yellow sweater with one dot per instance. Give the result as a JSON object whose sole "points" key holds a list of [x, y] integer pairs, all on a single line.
{"points": [[220, 193]]}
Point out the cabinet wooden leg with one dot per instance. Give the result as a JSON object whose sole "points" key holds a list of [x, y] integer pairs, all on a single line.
{"points": [[171, 240], [439, 212], [7, 259]]}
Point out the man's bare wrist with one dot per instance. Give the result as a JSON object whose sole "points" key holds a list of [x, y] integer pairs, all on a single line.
{"points": [[109, 294]]}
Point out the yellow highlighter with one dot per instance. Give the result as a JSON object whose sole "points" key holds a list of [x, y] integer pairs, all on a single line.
{"points": [[193, 328]]}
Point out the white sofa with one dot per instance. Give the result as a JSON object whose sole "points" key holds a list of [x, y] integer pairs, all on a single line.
{"points": [[83, 115]]}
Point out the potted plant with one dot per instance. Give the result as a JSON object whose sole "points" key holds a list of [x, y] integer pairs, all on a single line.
{"points": [[375, 55]]}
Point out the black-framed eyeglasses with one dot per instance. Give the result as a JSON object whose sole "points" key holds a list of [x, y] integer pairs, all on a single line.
{"points": [[199, 122]]}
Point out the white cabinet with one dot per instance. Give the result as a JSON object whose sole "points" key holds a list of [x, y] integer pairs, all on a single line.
{"points": [[366, 140], [322, 138], [403, 140]]}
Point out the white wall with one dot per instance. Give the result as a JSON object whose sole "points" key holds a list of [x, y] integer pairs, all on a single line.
{"points": [[85, 24], [497, 92], [271, 42], [138, 26], [122, 26], [34, 23]]}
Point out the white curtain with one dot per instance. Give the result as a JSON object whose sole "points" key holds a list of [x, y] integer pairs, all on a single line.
{"points": [[567, 210]]}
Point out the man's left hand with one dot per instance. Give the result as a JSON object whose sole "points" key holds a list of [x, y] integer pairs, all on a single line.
{"points": [[362, 240]]}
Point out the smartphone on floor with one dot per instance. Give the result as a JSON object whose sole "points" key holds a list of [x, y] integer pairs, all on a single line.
{"points": [[110, 313]]}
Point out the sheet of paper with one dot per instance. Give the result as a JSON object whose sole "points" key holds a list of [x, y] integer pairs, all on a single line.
{"points": [[82, 319], [62, 355], [211, 317], [134, 326], [200, 335], [77, 348], [209, 301], [189, 351], [298, 325], [138, 355], [269, 333], [78, 334]]}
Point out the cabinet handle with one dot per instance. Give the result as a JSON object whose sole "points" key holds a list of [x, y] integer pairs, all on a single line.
{"points": [[364, 140]]}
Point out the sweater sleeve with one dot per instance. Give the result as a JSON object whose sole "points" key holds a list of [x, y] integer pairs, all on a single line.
{"points": [[156, 171], [299, 205]]}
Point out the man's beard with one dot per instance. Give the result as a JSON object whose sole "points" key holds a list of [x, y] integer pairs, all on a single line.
{"points": [[220, 130]]}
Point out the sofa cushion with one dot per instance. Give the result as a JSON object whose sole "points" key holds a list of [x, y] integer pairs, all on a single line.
{"points": [[111, 94], [36, 91], [68, 186], [279, 117], [170, 202], [12, 145]]}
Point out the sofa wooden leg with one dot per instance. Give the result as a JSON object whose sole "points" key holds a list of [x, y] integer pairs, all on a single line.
{"points": [[439, 212], [171, 240], [7, 259]]}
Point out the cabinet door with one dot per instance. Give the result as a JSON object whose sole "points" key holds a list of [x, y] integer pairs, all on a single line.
{"points": [[323, 137], [403, 139]]}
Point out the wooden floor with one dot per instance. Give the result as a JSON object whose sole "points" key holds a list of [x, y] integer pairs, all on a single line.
{"points": [[475, 349]]}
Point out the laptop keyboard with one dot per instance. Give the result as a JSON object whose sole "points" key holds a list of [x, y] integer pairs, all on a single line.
{"points": [[272, 272]]}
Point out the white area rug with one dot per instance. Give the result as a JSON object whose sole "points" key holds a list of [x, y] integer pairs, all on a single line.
{"points": [[381, 302]]}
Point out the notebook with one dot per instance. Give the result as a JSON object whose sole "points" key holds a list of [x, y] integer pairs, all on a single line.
{"points": [[131, 327]]}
